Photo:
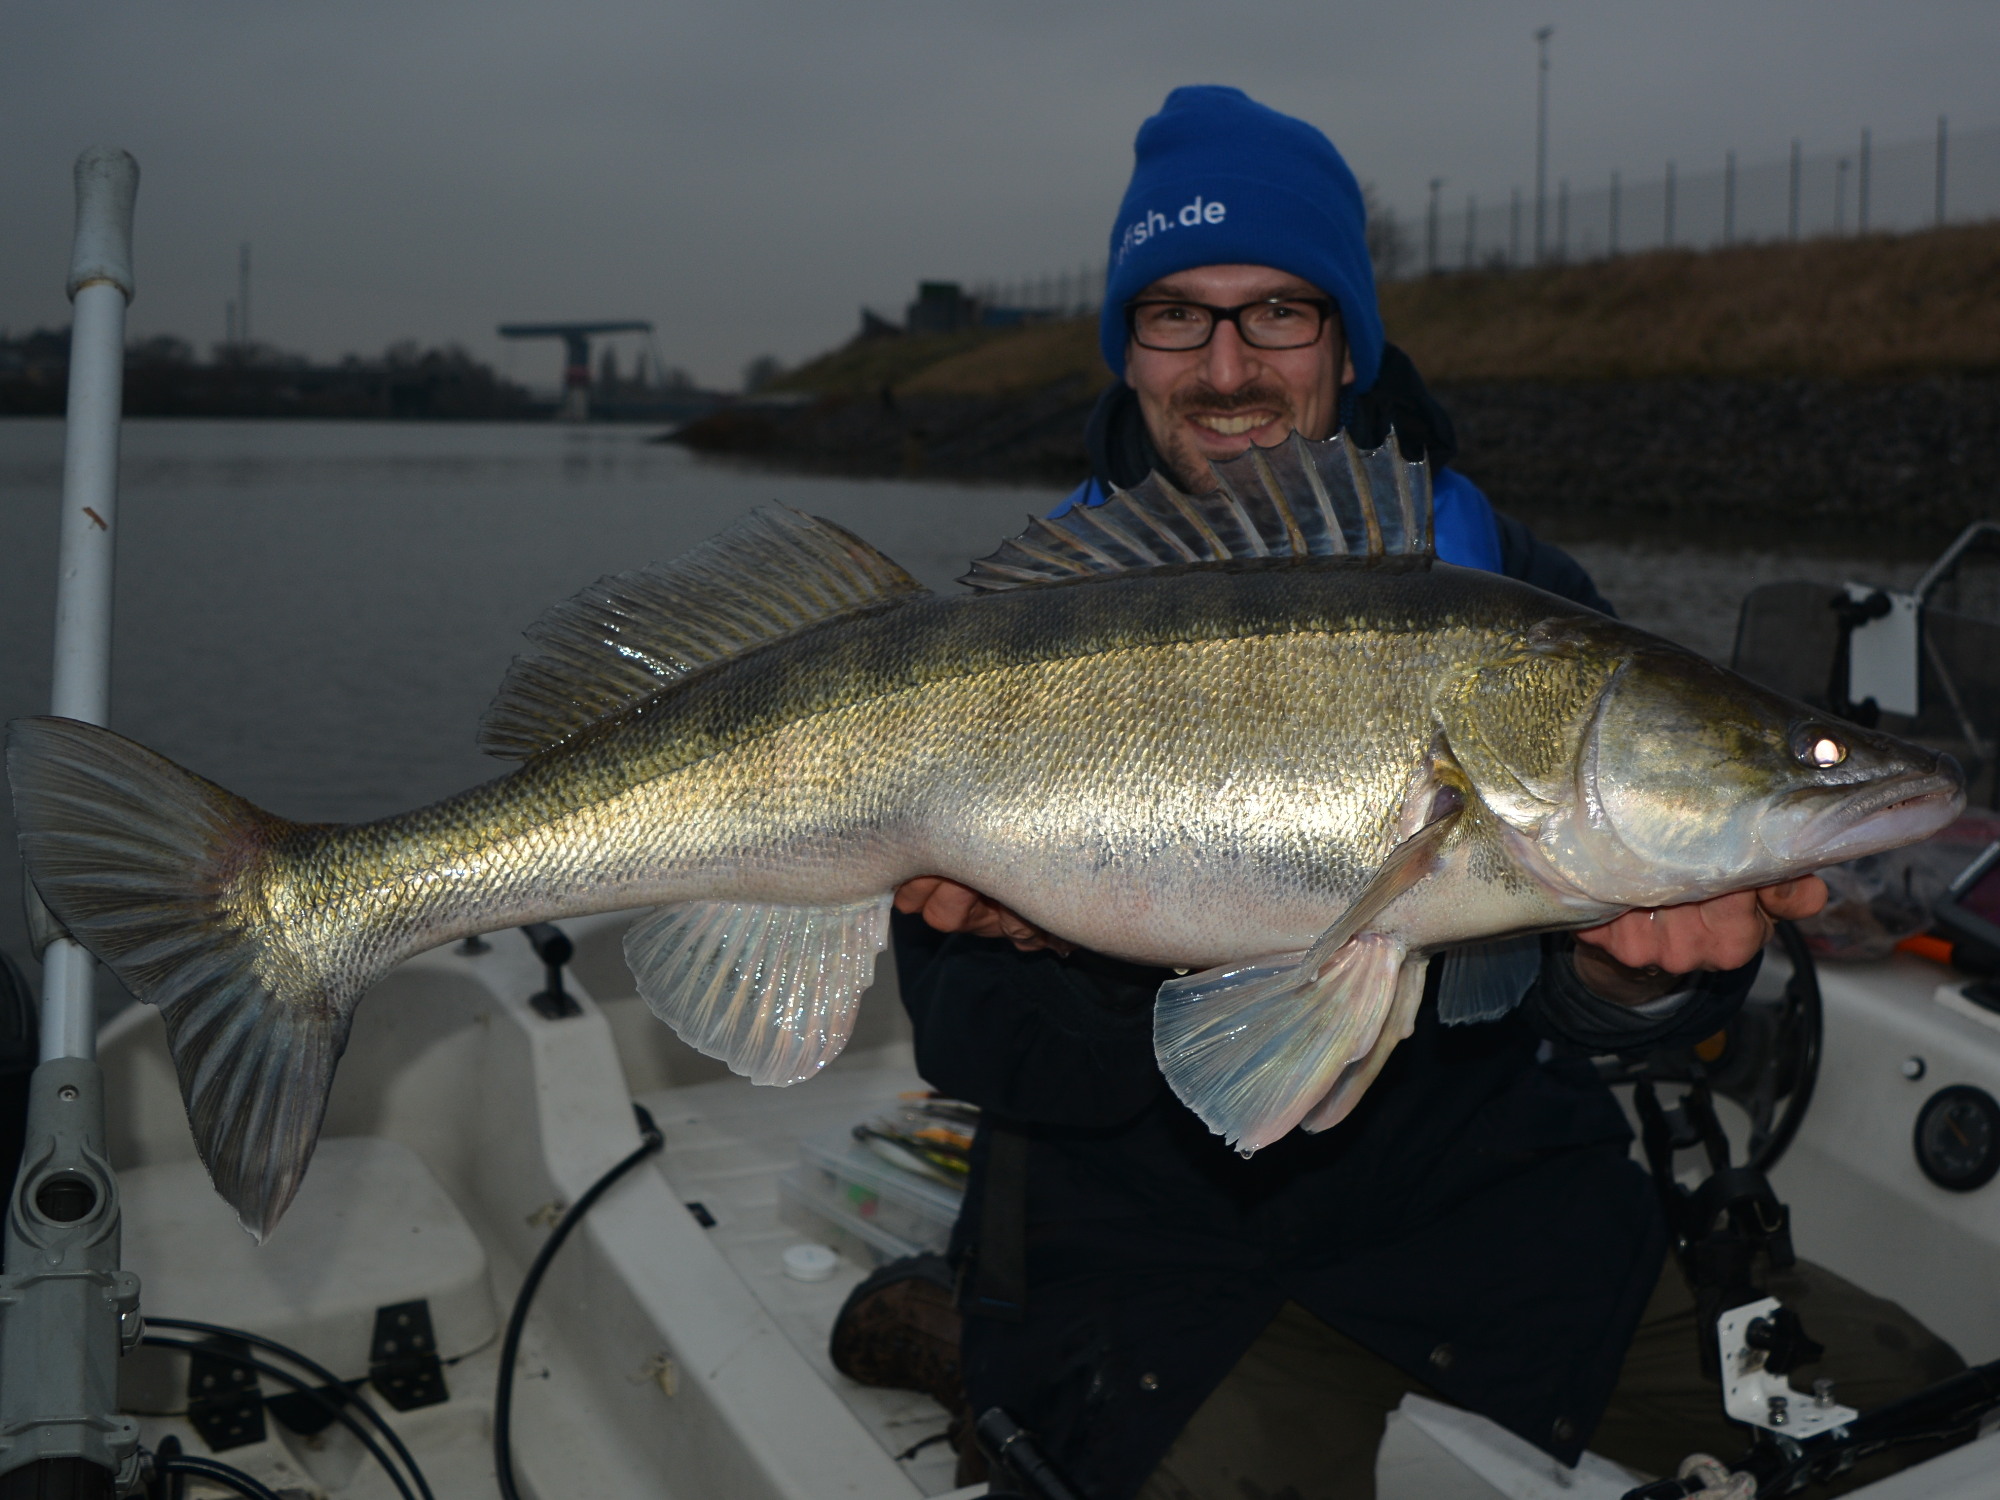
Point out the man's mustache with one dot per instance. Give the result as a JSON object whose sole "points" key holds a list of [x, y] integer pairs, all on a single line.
{"points": [[1202, 399]]}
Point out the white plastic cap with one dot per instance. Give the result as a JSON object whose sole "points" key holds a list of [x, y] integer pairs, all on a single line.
{"points": [[810, 1262], [107, 180]]}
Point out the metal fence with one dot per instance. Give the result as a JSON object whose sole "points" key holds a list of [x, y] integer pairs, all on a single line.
{"points": [[1869, 186], [1059, 294]]}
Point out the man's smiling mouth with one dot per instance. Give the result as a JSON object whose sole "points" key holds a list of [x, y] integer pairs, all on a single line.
{"points": [[1233, 426]]}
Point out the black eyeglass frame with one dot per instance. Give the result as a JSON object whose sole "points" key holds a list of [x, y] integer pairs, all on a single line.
{"points": [[1326, 307]]}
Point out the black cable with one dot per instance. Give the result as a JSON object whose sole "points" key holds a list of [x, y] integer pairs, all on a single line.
{"points": [[503, 1394], [319, 1372], [226, 1475], [326, 1404]]}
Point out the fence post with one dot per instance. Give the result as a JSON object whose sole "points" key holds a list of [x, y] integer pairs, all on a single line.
{"points": [[1792, 197], [1728, 198], [1940, 171], [1431, 228], [1861, 195]]}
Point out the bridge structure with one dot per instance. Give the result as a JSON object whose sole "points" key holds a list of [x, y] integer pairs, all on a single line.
{"points": [[576, 339]]}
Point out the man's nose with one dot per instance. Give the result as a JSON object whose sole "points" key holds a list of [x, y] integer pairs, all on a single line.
{"points": [[1231, 363]]}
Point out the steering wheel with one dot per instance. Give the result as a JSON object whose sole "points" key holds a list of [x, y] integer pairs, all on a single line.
{"points": [[1766, 1059]]}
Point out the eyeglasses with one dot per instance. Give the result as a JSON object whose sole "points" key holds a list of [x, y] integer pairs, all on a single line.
{"points": [[1272, 323]]}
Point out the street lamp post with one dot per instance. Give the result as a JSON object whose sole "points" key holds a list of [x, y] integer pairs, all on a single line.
{"points": [[1542, 139]]}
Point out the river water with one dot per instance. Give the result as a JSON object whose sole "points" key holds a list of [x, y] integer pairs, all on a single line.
{"points": [[315, 615]]}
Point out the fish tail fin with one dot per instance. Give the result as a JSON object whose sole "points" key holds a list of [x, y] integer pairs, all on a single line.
{"points": [[167, 879]]}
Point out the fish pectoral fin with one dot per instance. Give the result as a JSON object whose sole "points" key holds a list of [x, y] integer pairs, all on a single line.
{"points": [[770, 990], [1252, 1050], [1357, 1075], [1483, 981]]}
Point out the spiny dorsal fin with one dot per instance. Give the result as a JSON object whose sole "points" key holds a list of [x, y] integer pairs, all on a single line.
{"points": [[626, 636], [1298, 498]]}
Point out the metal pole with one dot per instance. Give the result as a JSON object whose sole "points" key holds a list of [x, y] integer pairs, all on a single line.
{"points": [[1940, 171], [1541, 138], [1792, 198], [66, 1309], [1668, 237], [1861, 205], [1729, 198]]}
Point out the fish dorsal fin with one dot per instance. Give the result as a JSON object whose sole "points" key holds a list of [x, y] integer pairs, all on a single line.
{"points": [[1298, 498], [628, 635]]}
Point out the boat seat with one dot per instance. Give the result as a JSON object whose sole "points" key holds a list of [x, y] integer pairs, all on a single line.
{"points": [[371, 1228]]}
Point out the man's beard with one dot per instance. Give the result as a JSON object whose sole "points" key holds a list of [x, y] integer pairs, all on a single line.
{"points": [[1190, 465]]}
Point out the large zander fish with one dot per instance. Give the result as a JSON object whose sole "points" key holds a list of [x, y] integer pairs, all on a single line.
{"points": [[1259, 733]]}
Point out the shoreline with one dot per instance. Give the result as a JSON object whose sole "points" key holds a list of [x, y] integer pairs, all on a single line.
{"points": [[1904, 463]]}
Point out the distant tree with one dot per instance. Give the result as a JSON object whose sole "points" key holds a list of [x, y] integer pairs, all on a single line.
{"points": [[1388, 245], [674, 378], [760, 372], [161, 349]]}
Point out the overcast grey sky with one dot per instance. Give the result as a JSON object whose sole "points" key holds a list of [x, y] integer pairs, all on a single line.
{"points": [[748, 174]]}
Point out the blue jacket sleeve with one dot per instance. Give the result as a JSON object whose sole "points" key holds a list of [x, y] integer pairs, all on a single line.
{"points": [[1029, 1037]]}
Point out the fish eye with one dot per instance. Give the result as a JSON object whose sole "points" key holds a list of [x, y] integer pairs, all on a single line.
{"points": [[1816, 746]]}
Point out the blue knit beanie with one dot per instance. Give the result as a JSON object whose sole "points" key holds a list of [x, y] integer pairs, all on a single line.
{"points": [[1223, 180]]}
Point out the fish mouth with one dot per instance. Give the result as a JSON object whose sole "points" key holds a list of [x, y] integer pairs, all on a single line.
{"points": [[1885, 817]]}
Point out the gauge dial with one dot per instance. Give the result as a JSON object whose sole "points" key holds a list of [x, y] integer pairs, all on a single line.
{"points": [[1958, 1138]]}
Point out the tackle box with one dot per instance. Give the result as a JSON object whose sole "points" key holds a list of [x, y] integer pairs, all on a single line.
{"points": [[843, 1190]]}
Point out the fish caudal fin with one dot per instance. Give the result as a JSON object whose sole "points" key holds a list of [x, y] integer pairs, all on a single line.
{"points": [[771, 990], [160, 875]]}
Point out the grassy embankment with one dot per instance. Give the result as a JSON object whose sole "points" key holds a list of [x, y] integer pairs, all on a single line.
{"points": [[1854, 382]]}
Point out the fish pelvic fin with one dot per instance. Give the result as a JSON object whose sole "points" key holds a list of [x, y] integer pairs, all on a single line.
{"points": [[629, 635], [770, 990], [1254, 1050], [1295, 499], [1357, 1075], [162, 876]]}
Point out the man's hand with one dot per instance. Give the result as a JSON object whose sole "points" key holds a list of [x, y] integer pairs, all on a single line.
{"points": [[1641, 955], [951, 907]]}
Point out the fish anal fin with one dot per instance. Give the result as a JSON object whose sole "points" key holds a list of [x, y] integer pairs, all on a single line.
{"points": [[770, 990], [1295, 499], [1252, 1050], [630, 634]]}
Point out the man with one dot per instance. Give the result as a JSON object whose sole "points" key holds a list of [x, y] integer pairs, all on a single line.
{"points": [[1173, 1320]]}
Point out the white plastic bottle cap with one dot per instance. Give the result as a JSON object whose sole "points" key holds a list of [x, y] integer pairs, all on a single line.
{"points": [[810, 1262]]}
